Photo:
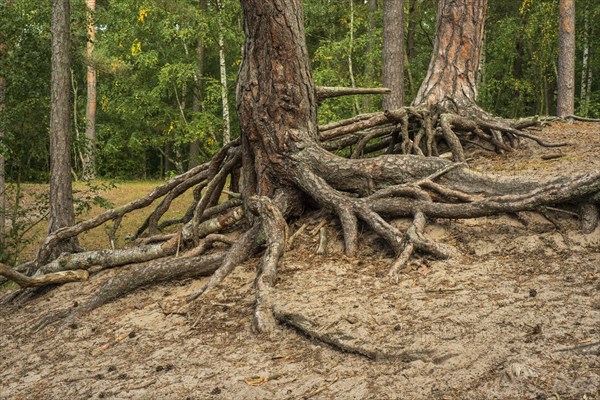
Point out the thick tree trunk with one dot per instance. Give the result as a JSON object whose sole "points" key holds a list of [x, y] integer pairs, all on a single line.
{"points": [[452, 73], [565, 104], [393, 53], [89, 154], [276, 98], [61, 194], [197, 101]]}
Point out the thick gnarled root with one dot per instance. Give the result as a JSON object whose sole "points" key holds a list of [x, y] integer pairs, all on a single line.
{"points": [[429, 131], [275, 229], [144, 275]]}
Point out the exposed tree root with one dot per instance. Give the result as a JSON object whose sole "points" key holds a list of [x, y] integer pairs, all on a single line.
{"points": [[415, 240], [136, 277], [424, 130], [55, 278], [343, 341], [367, 191], [66, 233], [578, 118], [275, 230]]}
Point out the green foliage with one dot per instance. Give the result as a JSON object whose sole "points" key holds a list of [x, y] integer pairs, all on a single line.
{"points": [[519, 74], [145, 55]]}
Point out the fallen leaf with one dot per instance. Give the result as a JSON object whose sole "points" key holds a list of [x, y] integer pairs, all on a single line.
{"points": [[423, 270]]}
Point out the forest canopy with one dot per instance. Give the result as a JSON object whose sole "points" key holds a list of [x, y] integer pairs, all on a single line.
{"points": [[145, 55]]}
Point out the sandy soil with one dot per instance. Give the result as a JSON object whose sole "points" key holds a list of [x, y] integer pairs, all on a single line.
{"points": [[515, 316]]}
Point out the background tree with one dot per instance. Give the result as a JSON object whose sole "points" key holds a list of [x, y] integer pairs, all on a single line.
{"points": [[393, 53], [89, 153], [198, 80], [586, 71], [223, 75], [566, 59], [2, 163], [452, 73], [61, 192]]}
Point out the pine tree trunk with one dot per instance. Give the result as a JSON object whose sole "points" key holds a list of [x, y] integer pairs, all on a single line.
{"points": [[197, 101], [565, 104], [452, 73], [89, 154], [393, 53], [223, 73], [61, 193], [276, 99]]}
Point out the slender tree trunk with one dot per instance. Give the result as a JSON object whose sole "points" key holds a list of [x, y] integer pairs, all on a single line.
{"points": [[410, 45], [2, 177], [61, 193], [481, 69], [584, 95], [452, 73], [350, 51], [369, 70], [393, 53], [89, 158], [565, 104], [411, 29], [223, 72], [197, 100]]}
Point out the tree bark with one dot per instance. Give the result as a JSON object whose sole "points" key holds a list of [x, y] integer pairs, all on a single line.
{"points": [[452, 73], [584, 95], [197, 100], [369, 71], [276, 98], [2, 177], [89, 154], [393, 53], [61, 194], [223, 73], [565, 104], [411, 29], [350, 51]]}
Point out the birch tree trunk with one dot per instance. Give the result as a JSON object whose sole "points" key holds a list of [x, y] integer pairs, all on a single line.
{"points": [[565, 104], [223, 73]]}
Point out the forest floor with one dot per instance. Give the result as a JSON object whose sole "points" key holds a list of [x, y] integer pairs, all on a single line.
{"points": [[515, 316]]}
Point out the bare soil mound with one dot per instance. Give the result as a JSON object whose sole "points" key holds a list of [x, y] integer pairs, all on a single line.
{"points": [[516, 314]]}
